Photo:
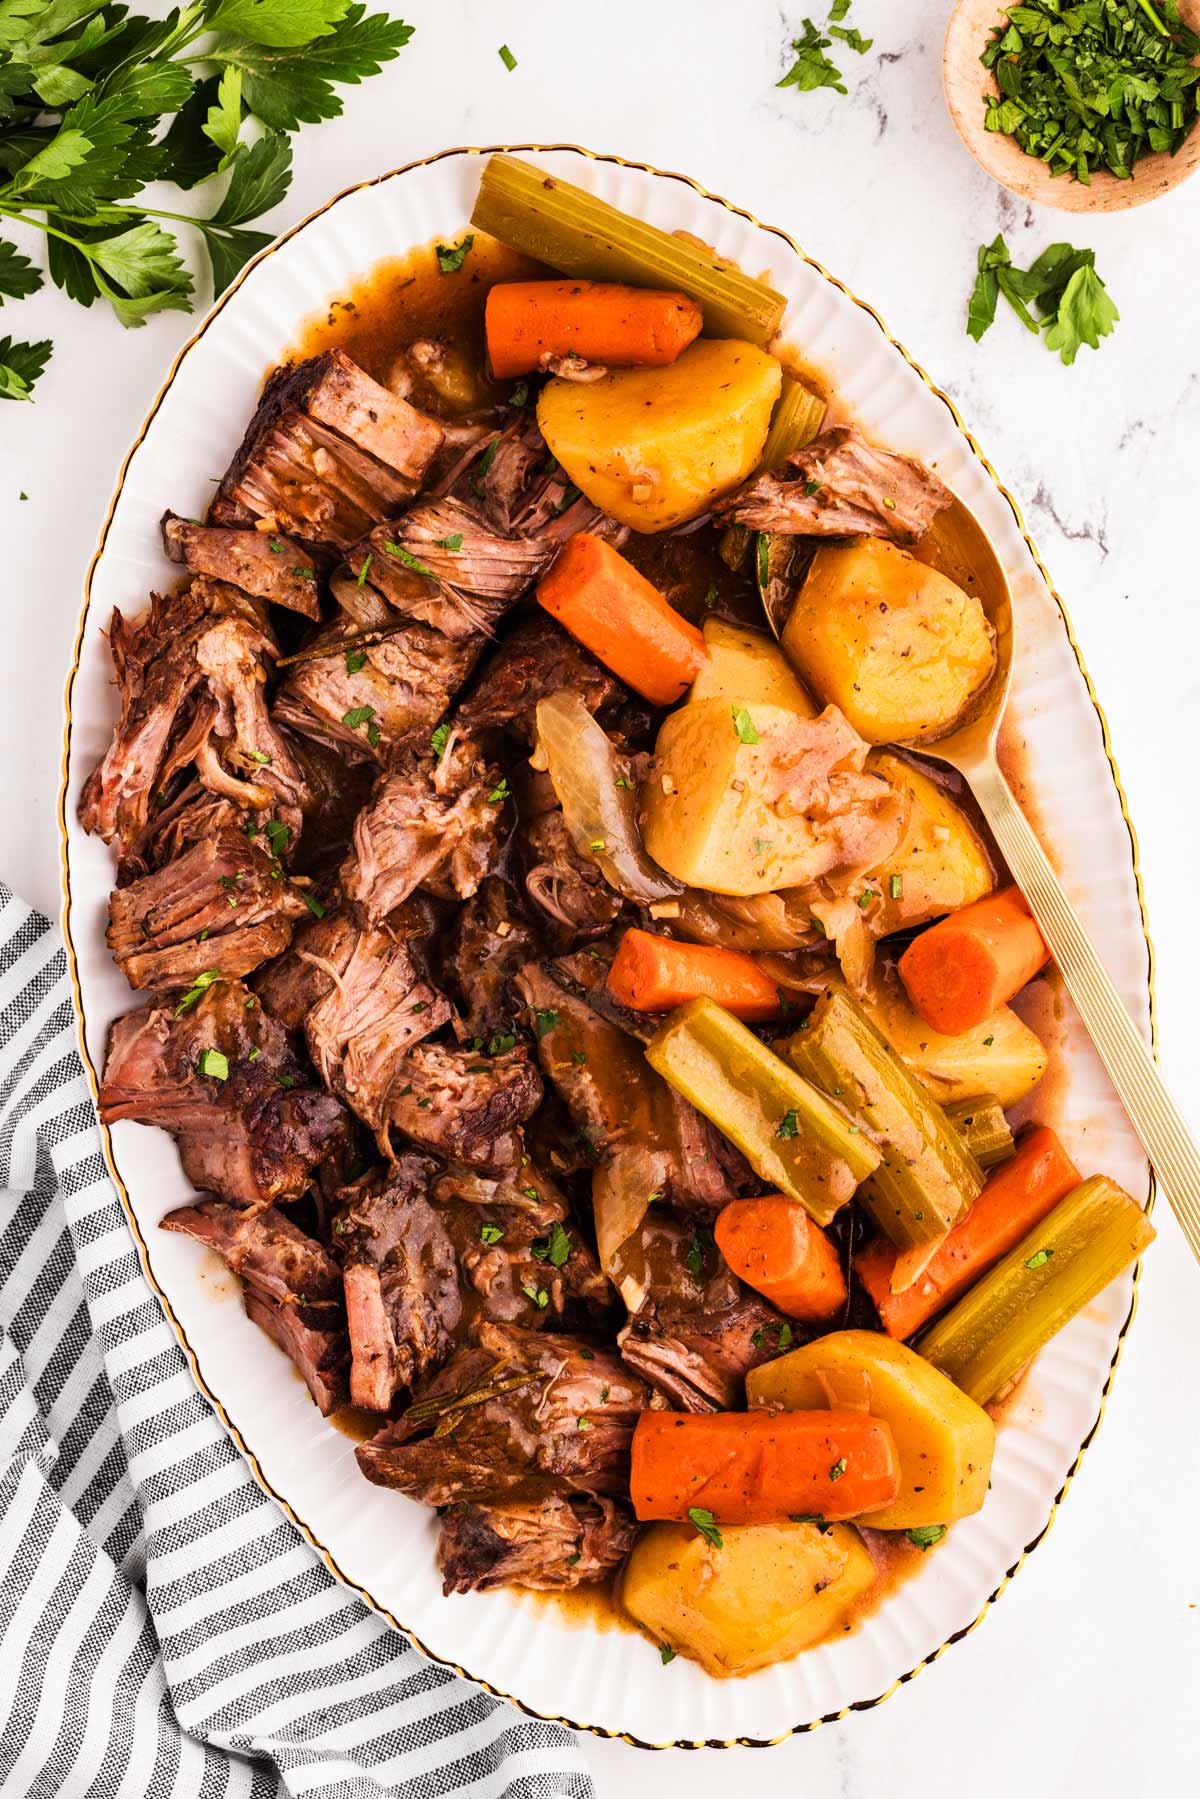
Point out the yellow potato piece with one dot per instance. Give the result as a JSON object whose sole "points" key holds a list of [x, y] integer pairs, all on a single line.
{"points": [[897, 646], [708, 816], [768, 1592], [1001, 1055], [746, 667], [944, 1440], [654, 447], [940, 865]]}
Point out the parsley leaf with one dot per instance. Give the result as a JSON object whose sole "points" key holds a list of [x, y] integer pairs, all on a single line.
{"points": [[20, 366], [450, 259], [1085, 315], [706, 1524], [812, 69], [743, 725], [18, 276], [213, 1064], [926, 1535]]}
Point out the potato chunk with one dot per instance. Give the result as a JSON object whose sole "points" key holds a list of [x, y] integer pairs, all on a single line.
{"points": [[897, 646], [945, 1441], [654, 447], [747, 800], [746, 667], [1001, 1056], [940, 863], [768, 1592]]}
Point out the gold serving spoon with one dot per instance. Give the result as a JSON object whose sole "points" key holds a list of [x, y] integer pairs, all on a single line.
{"points": [[957, 544]]}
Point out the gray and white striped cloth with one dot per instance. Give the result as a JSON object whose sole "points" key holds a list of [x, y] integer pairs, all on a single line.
{"points": [[164, 1630]]}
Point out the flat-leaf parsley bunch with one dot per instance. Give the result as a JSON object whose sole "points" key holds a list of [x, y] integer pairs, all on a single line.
{"points": [[96, 101]]}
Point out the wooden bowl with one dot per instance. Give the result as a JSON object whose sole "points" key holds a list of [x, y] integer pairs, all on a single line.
{"points": [[966, 82]]}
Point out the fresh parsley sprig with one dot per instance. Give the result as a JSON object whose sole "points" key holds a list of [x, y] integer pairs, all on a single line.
{"points": [[1075, 306], [86, 90]]}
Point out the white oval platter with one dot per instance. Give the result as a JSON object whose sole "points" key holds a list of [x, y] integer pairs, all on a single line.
{"points": [[607, 1680]]}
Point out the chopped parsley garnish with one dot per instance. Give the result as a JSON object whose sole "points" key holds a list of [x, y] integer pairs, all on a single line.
{"points": [[812, 68], [259, 756], [409, 560], [838, 1469], [538, 1295], [507, 58], [866, 896], [312, 902], [812, 486], [357, 715], [485, 463], [573, 1558], [451, 258], [199, 986], [696, 1251], [544, 1019], [364, 571], [666, 1654], [438, 738], [1092, 86], [499, 792], [597, 846], [762, 845], [520, 395], [762, 553], [789, 1124], [743, 725], [500, 1042], [1039, 1258], [556, 1249], [785, 1336], [255, 1053], [988, 1042], [926, 1535], [214, 1064], [355, 659], [452, 543], [706, 1524], [713, 594], [304, 574], [287, 1080], [583, 1424], [811, 1518], [895, 886], [490, 1233]]}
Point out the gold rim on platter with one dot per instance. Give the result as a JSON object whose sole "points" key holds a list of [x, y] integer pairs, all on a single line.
{"points": [[126, 1205]]}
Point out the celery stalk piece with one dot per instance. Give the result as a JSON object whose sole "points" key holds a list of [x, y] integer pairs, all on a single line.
{"points": [[1056, 1270], [789, 1132], [983, 1128], [927, 1176], [578, 234], [797, 418]]}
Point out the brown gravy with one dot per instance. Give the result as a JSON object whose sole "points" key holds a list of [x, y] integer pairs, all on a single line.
{"points": [[407, 297]]}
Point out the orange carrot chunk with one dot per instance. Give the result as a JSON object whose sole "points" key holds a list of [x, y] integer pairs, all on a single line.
{"points": [[959, 971], [1015, 1198], [774, 1246], [656, 974], [599, 321], [762, 1467], [615, 612]]}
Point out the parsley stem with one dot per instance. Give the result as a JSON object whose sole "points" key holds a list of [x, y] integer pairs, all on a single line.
{"points": [[1153, 18]]}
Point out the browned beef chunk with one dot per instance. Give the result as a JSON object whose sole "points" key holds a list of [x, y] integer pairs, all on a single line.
{"points": [[569, 891], [535, 658], [403, 1299], [464, 1108], [297, 982], [180, 668], [551, 1544], [221, 904], [840, 485], [293, 1287], [328, 454], [464, 591], [434, 823], [379, 700], [270, 567], [519, 1437], [617, 1101], [252, 1128], [193, 816], [362, 1001], [698, 1331], [487, 946], [522, 489]]}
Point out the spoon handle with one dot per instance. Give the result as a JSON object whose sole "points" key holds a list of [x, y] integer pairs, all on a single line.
{"points": [[1152, 1112]]}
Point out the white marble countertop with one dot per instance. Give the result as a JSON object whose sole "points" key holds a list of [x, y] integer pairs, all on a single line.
{"points": [[1086, 1676]]}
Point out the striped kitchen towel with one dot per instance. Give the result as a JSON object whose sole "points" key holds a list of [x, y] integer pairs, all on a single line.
{"points": [[164, 1630]]}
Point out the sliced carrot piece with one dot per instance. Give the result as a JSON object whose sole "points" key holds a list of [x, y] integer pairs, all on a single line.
{"points": [[1017, 1196], [762, 1467], [966, 966], [600, 321], [656, 974], [773, 1245], [615, 612]]}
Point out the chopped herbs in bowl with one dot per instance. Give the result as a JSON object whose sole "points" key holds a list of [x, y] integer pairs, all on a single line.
{"points": [[1093, 86]]}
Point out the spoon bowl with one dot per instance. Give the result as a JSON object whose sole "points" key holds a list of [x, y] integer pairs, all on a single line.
{"points": [[966, 82]]}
